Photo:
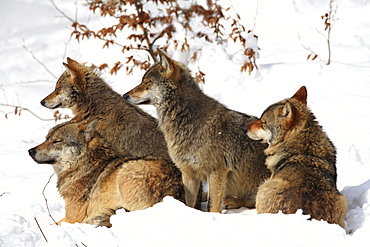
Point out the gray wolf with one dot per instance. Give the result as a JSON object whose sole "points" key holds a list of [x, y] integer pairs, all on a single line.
{"points": [[205, 139], [95, 180], [125, 125], [302, 161]]}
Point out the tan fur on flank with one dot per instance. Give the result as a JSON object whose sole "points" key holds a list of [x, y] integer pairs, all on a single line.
{"points": [[95, 180]]}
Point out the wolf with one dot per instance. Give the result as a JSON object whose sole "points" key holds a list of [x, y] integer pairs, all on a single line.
{"points": [[125, 125], [206, 140], [301, 159], [95, 180]]}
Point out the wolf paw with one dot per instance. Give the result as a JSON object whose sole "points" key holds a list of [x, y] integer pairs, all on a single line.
{"points": [[231, 202]]}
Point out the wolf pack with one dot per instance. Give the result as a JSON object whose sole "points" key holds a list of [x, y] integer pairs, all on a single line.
{"points": [[113, 155]]}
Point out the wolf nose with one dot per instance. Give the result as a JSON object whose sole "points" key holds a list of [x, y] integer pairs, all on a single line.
{"points": [[126, 96], [32, 152], [43, 102]]}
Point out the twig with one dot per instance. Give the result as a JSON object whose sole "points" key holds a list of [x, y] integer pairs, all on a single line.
{"points": [[34, 81], [75, 21], [66, 47], [46, 200], [61, 12], [255, 18], [47, 207], [76, 12], [308, 48], [37, 60], [20, 108], [4, 194], [330, 22], [6, 99], [40, 229]]}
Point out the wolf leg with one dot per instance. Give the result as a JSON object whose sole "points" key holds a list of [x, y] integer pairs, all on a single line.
{"points": [[216, 186], [65, 219], [191, 187]]}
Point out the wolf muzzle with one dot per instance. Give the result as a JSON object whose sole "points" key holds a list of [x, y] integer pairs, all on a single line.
{"points": [[32, 152], [43, 103], [126, 96]]}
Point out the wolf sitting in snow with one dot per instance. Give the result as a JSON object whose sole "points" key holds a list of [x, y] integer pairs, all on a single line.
{"points": [[95, 180], [302, 161]]}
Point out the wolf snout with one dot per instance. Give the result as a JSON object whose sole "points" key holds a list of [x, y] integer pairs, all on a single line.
{"points": [[32, 152], [126, 96]]}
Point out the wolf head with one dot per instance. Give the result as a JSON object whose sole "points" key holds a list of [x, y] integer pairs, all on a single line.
{"points": [[67, 92], [64, 144], [278, 119], [163, 75]]}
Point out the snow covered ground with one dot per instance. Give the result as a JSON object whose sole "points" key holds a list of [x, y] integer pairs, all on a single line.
{"points": [[338, 94]]}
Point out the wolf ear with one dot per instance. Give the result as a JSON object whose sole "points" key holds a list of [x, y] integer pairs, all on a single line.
{"points": [[74, 69], [171, 70], [71, 66], [71, 61], [287, 110], [301, 95], [89, 131], [165, 60], [291, 115]]}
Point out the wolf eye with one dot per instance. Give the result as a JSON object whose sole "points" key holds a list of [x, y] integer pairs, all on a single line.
{"points": [[57, 140], [263, 124]]}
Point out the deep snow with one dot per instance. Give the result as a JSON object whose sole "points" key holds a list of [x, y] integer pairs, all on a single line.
{"points": [[338, 94]]}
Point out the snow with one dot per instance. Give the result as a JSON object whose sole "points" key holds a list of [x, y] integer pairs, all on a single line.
{"points": [[338, 94]]}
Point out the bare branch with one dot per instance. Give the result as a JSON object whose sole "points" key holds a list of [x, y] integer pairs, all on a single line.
{"points": [[3, 193], [60, 11], [47, 206], [255, 18], [33, 81], [46, 200], [66, 47], [6, 99], [40, 229], [312, 55], [329, 21], [37, 60], [18, 109]]}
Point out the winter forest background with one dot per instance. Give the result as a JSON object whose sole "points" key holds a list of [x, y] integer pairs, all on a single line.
{"points": [[284, 45]]}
